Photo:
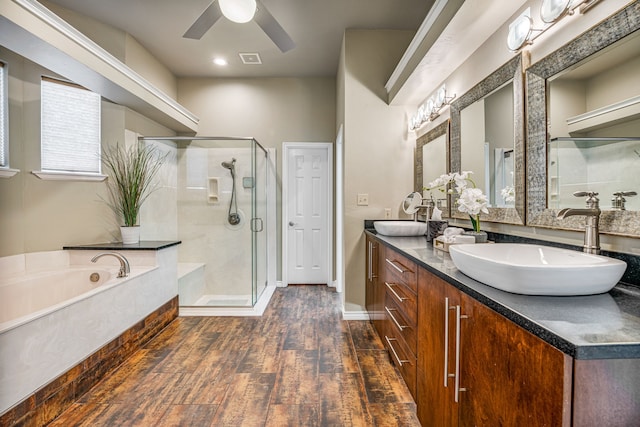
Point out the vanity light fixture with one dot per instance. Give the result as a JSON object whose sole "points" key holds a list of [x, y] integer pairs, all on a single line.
{"points": [[430, 110], [240, 11], [554, 10], [521, 31]]}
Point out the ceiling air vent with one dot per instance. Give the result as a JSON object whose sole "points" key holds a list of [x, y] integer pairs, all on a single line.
{"points": [[250, 58]]}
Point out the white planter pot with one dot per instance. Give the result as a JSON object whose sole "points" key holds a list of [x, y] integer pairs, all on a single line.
{"points": [[130, 235]]}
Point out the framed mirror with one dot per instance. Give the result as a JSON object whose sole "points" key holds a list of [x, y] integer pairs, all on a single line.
{"points": [[432, 160], [487, 138], [583, 124]]}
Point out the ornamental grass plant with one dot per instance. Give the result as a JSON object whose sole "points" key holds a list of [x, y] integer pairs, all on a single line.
{"points": [[131, 178]]}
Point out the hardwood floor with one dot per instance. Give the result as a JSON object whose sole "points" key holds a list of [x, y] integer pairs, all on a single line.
{"points": [[297, 365]]}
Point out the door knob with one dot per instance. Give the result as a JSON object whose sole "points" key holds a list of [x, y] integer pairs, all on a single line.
{"points": [[291, 223]]}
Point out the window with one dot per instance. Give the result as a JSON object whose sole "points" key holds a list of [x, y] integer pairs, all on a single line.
{"points": [[4, 118], [70, 128]]}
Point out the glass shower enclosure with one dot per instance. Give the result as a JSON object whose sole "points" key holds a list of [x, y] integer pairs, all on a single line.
{"points": [[221, 216]]}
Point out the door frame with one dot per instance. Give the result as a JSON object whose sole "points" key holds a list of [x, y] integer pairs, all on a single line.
{"points": [[286, 147]]}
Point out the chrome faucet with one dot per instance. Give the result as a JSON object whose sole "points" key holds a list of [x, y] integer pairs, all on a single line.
{"points": [[125, 269], [592, 212]]}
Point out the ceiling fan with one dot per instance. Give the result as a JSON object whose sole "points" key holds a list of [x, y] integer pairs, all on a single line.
{"points": [[262, 16]]}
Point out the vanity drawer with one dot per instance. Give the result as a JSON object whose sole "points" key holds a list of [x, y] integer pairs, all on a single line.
{"points": [[400, 269], [406, 301], [402, 357], [399, 324]]}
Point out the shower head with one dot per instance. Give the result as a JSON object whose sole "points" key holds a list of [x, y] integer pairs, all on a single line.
{"points": [[229, 165]]}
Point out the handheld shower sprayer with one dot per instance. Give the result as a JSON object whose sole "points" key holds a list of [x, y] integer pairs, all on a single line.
{"points": [[233, 216], [230, 165]]}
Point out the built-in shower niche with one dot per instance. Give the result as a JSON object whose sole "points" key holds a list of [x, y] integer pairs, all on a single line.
{"points": [[603, 165], [212, 189]]}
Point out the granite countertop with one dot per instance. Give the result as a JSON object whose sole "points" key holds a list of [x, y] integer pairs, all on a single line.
{"points": [[605, 326], [143, 245]]}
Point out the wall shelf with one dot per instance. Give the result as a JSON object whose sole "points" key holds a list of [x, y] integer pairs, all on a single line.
{"points": [[613, 114], [34, 32]]}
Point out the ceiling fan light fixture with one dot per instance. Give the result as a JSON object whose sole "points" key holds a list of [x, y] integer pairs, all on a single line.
{"points": [[240, 11]]}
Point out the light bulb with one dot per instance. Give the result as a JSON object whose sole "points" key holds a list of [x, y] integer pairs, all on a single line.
{"points": [[239, 11]]}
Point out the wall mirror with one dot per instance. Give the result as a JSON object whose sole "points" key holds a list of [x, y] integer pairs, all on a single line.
{"points": [[583, 126], [432, 160], [487, 138]]}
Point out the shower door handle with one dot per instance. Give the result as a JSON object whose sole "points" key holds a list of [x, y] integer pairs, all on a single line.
{"points": [[254, 223]]}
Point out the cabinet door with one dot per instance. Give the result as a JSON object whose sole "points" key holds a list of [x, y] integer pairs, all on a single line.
{"points": [[371, 267], [436, 351], [509, 376]]}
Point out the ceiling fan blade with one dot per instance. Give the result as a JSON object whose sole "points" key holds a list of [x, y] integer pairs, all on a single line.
{"points": [[273, 29], [205, 21]]}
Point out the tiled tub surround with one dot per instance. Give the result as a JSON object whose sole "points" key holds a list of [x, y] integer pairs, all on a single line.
{"points": [[605, 326], [63, 348]]}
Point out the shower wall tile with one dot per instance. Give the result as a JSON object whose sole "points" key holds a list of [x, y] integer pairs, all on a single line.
{"points": [[159, 213], [206, 236]]}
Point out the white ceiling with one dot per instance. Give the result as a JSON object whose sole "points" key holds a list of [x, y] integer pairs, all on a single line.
{"points": [[316, 26]]}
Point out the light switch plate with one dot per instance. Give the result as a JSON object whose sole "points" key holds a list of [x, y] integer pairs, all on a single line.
{"points": [[363, 199]]}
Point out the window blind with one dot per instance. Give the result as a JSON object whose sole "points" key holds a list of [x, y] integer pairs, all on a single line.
{"points": [[4, 118], [70, 127]]}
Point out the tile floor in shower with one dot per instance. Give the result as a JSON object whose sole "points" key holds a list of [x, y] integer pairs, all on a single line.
{"points": [[224, 301]]}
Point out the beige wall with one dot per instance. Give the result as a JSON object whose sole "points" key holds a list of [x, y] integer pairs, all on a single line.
{"points": [[272, 110], [490, 56], [37, 215], [121, 45], [378, 152]]}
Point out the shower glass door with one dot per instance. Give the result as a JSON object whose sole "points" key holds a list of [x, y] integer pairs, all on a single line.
{"points": [[259, 219], [221, 221]]}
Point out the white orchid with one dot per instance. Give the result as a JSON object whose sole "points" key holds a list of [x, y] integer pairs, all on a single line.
{"points": [[508, 193], [471, 200]]}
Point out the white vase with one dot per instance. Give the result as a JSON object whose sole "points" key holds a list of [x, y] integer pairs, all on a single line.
{"points": [[130, 235]]}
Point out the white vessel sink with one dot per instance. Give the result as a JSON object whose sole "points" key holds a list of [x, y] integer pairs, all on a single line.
{"points": [[537, 270], [400, 228]]}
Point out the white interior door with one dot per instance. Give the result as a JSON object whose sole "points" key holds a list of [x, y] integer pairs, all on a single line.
{"points": [[306, 213]]}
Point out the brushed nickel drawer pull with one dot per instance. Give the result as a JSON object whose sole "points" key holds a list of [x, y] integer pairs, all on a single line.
{"points": [[457, 387], [400, 362], [446, 342], [390, 287], [389, 310], [392, 263], [370, 267]]}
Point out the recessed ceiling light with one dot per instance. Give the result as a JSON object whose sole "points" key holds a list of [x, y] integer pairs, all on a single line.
{"points": [[220, 61]]}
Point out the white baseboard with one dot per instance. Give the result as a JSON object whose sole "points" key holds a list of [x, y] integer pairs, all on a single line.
{"points": [[355, 315], [279, 284]]}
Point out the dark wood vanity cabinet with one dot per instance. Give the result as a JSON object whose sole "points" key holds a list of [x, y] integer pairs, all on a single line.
{"points": [[375, 292], [476, 367], [391, 303], [464, 364], [400, 280]]}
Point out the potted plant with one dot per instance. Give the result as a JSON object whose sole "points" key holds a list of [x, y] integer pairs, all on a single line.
{"points": [[471, 200], [131, 180]]}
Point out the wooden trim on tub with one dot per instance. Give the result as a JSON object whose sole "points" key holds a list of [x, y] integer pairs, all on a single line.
{"points": [[53, 399]]}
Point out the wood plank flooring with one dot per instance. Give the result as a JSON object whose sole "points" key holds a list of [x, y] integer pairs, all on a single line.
{"points": [[297, 365]]}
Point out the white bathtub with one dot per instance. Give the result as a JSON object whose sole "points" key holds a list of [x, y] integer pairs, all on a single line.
{"points": [[27, 297], [52, 316]]}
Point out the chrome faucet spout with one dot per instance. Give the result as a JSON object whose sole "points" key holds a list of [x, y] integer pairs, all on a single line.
{"points": [[125, 268]]}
